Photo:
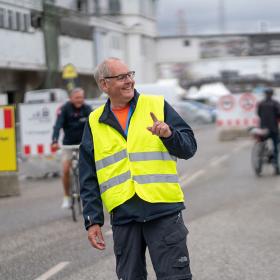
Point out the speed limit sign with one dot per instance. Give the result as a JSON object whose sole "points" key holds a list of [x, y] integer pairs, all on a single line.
{"points": [[226, 103], [248, 102]]}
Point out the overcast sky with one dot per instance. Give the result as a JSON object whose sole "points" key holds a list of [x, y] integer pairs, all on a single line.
{"points": [[204, 16]]}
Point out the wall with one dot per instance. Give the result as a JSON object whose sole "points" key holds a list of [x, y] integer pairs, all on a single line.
{"points": [[30, 54], [79, 52]]}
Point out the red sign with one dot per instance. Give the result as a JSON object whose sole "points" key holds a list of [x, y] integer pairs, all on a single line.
{"points": [[247, 102], [226, 103]]}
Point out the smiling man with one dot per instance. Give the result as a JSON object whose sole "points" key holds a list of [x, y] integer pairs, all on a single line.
{"points": [[128, 164]]}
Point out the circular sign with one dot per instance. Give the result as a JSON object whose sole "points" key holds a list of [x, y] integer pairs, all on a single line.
{"points": [[226, 103], [247, 102]]}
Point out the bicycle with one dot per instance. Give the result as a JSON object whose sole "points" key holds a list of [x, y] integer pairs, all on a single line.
{"points": [[76, 204], [262, 150]]}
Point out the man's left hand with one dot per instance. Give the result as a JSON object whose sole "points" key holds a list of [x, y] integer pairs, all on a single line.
{"points": [[159, 128]]}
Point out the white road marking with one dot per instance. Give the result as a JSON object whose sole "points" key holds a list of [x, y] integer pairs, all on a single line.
{"points": [[214, 162], [48, 274], [219, 160], [187, 180]]}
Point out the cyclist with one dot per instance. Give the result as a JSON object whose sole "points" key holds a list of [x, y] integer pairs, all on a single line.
{"points": [[269, 112], [71, 118]]}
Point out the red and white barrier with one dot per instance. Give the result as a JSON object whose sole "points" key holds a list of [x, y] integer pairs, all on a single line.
{"points": [[237, 112], [38, 149], [36, 128]]}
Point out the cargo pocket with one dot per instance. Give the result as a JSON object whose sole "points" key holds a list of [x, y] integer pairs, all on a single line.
{"points": [[177, 236], [178, 252]]}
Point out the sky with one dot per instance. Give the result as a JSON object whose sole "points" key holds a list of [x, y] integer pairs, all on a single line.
{"points": [[177, 17]]}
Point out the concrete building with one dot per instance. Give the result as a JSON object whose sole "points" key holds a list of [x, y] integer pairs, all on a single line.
{"points": [[200, 57], [38, 38]]}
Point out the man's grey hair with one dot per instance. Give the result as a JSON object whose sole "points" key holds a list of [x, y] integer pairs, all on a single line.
{"points": [[102, 70], [74, 90]]}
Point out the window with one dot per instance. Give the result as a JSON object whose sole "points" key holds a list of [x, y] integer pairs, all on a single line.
{"points": [[26, 22], [96, 7], [14, 20], [2, 17], [18, 21], [147, 46], [82, 6], [10, 19], [147, 8], [115, 42], [114, 7]]}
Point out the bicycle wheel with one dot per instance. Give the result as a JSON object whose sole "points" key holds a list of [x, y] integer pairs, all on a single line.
{"points": [[257, 157], [76, 201]]}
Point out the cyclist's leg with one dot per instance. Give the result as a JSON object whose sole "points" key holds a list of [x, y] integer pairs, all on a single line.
{"points": [[275, 140], [66, 166]]}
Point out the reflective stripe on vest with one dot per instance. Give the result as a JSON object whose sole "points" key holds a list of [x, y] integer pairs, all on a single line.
{"points": [[150, 156], [133, 157], [114, 181], [156, 178], [141, 164], [110, 159]]}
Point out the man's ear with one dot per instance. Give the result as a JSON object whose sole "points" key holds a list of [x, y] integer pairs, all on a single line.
{"points": [[103, 85]]}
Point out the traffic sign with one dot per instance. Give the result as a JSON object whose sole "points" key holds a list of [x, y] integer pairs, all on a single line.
{"points": [[69, 72], [226, 103], [248, 102]]}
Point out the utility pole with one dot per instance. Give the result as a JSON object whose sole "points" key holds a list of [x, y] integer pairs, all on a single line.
{"points": [[51, 32]]}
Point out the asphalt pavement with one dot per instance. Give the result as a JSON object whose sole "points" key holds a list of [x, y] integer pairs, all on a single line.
{"points": [[232, 217]]}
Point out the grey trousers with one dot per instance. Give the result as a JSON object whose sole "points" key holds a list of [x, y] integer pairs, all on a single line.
{"points": [[166, 240]]}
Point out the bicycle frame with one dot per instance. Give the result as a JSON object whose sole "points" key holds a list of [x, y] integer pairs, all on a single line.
{"points": [[76, 205], [261, 151]]}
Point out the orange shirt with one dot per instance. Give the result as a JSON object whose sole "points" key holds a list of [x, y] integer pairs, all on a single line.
{"points": [[122, 115]]}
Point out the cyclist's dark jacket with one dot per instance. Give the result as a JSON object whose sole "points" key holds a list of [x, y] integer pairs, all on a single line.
{"points": [[181, 144], [269, 113], [72, 120]]}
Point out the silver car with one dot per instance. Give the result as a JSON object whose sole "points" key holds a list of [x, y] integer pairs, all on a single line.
{"points": [[192, 113]]}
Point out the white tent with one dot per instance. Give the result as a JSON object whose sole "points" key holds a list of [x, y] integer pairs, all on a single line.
{"points": [[169, 88], [211, 92]]}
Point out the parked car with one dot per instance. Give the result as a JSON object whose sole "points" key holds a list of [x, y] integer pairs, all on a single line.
{"points": [[192, 113], [212, 110]]}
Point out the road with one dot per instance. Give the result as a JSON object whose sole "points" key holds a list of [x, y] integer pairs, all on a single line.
{"points": [[232, 217]]}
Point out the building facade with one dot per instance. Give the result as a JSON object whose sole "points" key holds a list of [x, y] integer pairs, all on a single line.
{"points": [[220, 56], [40, 37]]}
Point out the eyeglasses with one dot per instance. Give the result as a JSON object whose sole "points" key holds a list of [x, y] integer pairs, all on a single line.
{"points": [[122, 77]]}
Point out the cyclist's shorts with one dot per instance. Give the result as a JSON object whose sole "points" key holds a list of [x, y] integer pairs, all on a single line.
{"points": [[66, 154]]}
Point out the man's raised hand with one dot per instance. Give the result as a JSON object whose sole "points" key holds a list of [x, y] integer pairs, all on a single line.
{"points": [[159, 128]]}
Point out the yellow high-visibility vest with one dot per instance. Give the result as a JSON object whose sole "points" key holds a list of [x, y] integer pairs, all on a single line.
{"points": [[140, 165]]}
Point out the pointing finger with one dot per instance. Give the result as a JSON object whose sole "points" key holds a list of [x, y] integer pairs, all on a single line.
{"points": [[153, 117]]}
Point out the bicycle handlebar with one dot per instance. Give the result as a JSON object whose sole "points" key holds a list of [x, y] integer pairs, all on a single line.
{"points": [[70, 147], [256, 131]]}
